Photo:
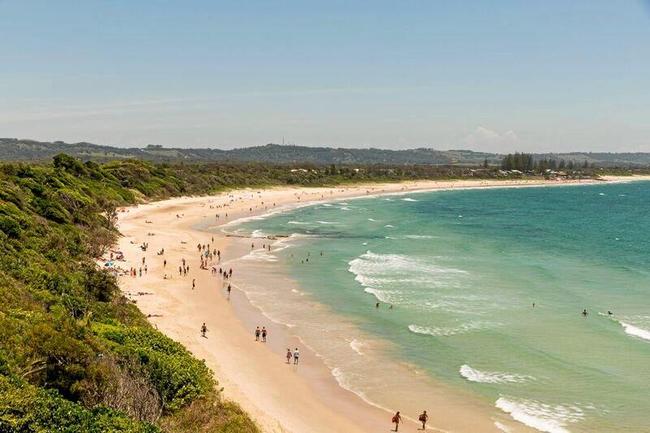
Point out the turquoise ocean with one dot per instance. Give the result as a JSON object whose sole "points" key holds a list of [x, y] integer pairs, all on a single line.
{"points": [[456, 274]]}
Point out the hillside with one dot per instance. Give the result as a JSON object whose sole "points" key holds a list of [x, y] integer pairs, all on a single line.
{"points": [[12, 149], [75, 355]]}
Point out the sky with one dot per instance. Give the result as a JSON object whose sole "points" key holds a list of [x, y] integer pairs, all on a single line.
{"points": [[498, 75]]}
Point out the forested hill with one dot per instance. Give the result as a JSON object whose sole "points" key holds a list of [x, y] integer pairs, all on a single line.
{"points": [[12, 149], [28, 150]]}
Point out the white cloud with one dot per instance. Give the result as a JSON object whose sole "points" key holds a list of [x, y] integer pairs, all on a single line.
{"points": [[490, 140]]}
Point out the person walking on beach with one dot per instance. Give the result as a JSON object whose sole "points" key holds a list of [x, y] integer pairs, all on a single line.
{"points": [[397, 418], [423, 418], [204, 329], [263, 334], [229, 289], [296, 356], [193, 283], [257, 334], [289, 356]]}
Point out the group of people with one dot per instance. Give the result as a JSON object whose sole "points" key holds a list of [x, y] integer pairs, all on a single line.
{"points": [[423, 418], [295, 355], [260, 332]]}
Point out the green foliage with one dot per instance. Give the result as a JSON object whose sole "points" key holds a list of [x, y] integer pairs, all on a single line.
{"points": [[175, 374], [26, 408], [66, 334]]}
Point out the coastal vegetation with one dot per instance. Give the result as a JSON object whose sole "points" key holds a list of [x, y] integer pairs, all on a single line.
{"points": [[75, 355]]}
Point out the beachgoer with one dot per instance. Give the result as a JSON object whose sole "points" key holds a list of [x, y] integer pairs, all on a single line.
{"points": [[397, 418], [263, 334], [296, 356], [204, 329], [165, 263], [377, 305], [257, 334], [193, 283], [423, 418], [289, 356], [229, 289], [584, 312]]}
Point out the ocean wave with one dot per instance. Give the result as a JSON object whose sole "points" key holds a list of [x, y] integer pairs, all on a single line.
{"points": [[260, 255], [635, 331], [385, 296], [540, 416], [381, 274], [301, 223], [474, 375], [409, 199], [389, 226], [447, 331], [419, 237], [372, 219], [326, 222], [258, 234]]}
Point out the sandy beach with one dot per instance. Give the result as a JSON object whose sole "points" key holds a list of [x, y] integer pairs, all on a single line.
{"points": [[280, 397]]}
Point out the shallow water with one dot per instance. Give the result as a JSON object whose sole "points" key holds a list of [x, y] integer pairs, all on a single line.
{"points": [[462, 270]]}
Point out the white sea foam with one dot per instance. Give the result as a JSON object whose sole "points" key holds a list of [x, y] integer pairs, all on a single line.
{"points": [[326, 222], [371, 219], [409, 199], [385, 296], [502, 427], [635, 331], [356, 345], [260, 255], [301, 223], [344, 208], [447, 331], [543, 417], [419, 237], [389, 226], [474, 375], [258, 234]]}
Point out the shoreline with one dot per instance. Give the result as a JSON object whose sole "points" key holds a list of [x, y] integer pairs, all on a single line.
{"points": [[252, 375]]}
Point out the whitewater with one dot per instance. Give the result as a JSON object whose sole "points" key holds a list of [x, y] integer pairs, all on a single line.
{"points": [[482, 291]]}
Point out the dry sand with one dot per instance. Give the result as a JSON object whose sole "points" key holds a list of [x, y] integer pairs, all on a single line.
{"points": [[280, 397]]}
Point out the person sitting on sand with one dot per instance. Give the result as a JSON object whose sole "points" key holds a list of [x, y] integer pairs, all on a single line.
{"points": [[397, 418], [423, 418]]}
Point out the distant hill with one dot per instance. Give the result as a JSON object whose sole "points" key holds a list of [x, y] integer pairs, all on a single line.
{"points": [[12, 149]]}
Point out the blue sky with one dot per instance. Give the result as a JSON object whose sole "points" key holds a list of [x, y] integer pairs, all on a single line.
{"points": [[487, 75]]}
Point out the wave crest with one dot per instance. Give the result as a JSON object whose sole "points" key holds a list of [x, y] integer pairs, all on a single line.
{"points": [[543, 417], [474, 375]]}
